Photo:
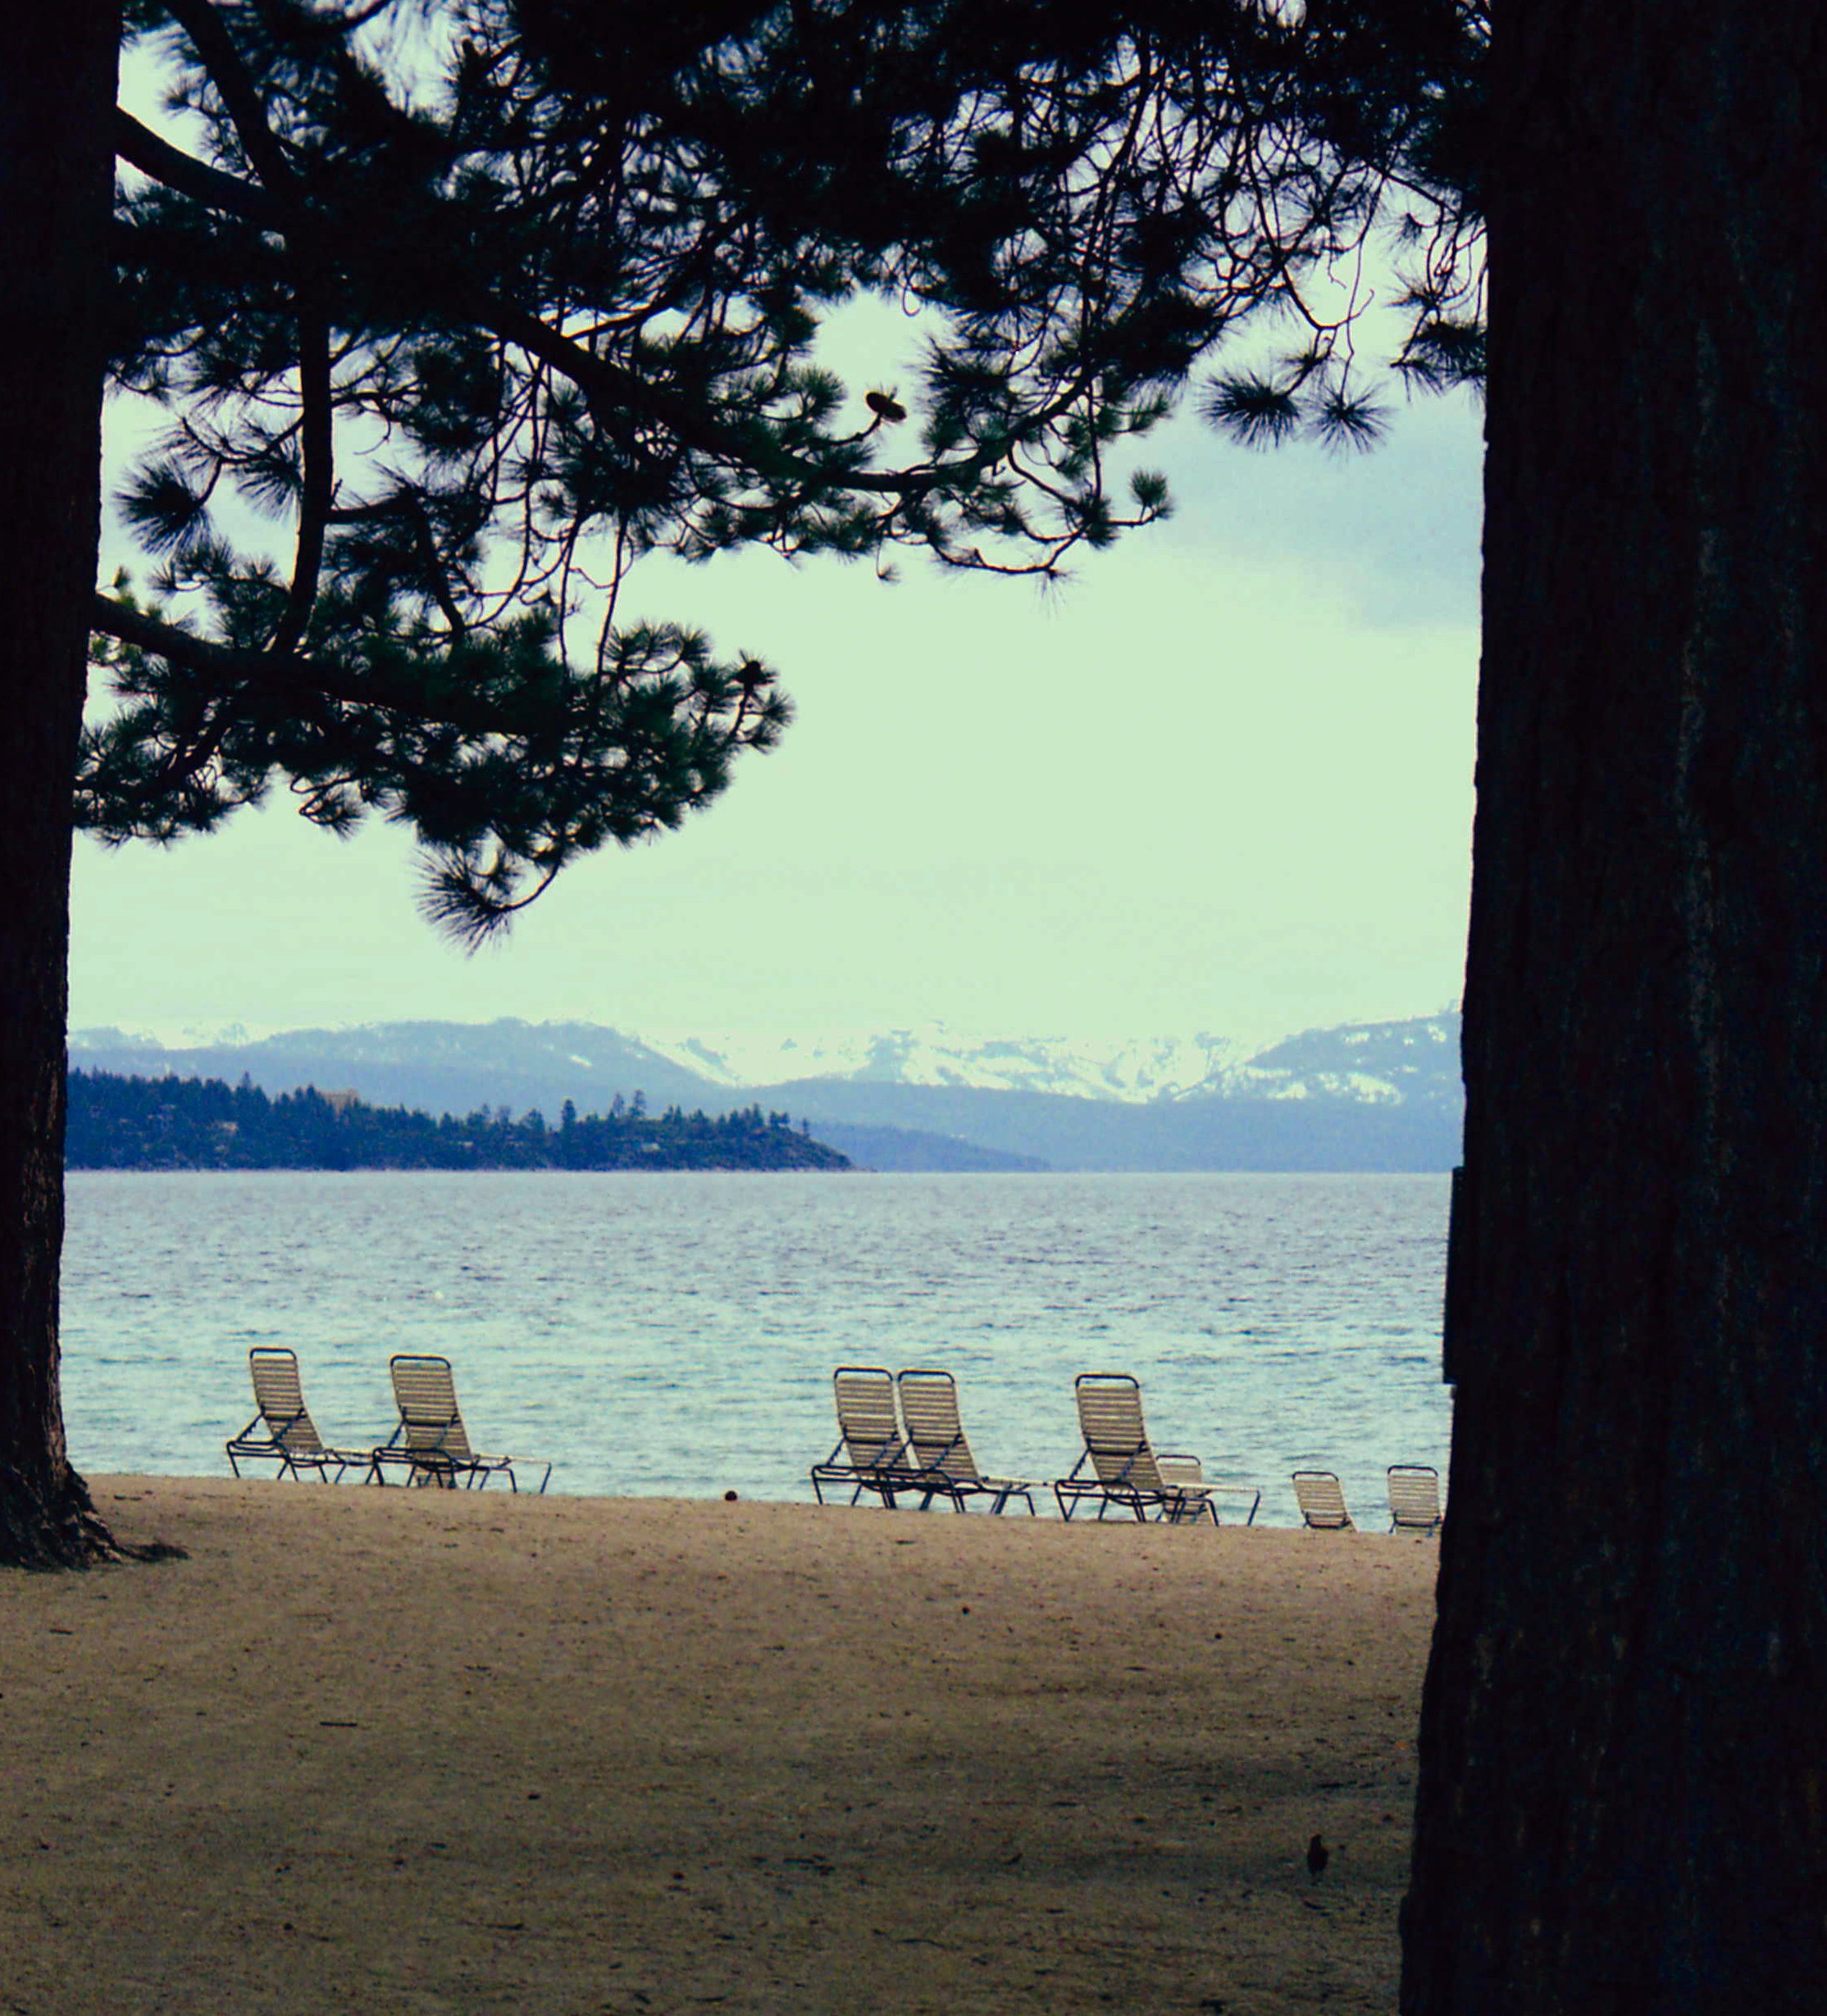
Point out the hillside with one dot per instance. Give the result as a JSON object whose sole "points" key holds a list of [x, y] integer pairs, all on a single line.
{"points": [[119, 1122], [1366, 1096]]}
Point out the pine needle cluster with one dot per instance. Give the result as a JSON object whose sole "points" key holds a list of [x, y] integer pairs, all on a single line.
{"points": [[455, 310]]}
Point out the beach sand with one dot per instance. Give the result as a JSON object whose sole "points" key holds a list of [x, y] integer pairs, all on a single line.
{"points": [[435, 1751]]}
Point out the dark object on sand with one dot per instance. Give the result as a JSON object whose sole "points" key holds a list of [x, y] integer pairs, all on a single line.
{"points": [[1317, 1856], [729, 1498]]}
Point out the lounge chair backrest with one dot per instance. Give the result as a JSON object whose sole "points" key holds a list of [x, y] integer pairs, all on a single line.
{"points": [[426, 1394], [1321, 1499], [935, 1430], [1180, 1471], [1414, 1498], [1110, 1418], [280, 1399], [866, 1418]]}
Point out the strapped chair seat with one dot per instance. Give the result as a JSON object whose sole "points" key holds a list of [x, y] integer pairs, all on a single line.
{"points": [[1321, 1499], [1123, 1469], [290, 1437], [936, 1444], [430, 1441], [1414, 1498], [872, 1453]]}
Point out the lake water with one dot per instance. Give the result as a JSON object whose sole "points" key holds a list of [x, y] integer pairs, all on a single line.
{"points": [[677, 1334]]}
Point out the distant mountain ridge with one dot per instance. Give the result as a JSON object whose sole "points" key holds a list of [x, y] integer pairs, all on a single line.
{"points": [[1412, 1062], [933, 1054], [1382, 1096]]}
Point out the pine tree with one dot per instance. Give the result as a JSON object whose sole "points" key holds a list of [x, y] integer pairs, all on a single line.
{"points": [[1623, 1749], [637, 221], [57, 70], [479, 303]]}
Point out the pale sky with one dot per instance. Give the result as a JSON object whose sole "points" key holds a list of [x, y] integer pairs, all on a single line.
{"points": [[1222, 781]]}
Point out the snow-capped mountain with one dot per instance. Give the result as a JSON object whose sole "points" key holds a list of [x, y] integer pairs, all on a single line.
{"points": [[1416, 1061], [934, 1053], [1372, 1063]]}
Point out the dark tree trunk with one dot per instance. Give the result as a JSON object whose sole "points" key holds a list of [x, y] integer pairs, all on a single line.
{"points": [[1624, 1747], [57, 90]]}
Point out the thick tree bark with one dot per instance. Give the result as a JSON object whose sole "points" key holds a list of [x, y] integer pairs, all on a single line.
{"points": [[1624, 1751], [56, 91]]}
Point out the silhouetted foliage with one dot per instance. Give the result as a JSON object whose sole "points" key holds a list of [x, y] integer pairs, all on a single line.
{"points": [[486, 301]]}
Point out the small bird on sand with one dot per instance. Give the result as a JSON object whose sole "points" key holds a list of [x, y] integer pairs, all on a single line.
{"points": [[1317, 1856]]}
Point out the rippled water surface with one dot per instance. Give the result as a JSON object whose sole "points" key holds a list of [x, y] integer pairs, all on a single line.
{"points": [[677, 1334]]}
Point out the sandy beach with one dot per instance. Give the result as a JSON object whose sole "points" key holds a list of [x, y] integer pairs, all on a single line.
{"points": [[464, 1752]]}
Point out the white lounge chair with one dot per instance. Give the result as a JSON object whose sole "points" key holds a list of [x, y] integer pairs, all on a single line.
{"points": [[872, 1453], [1321, 1499], [1414, 1498], [431, 1441], [290, 1437], [1119, 1466], [1178, 1468], [937, 1447]]}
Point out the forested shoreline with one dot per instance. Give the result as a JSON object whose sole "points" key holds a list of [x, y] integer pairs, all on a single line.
{"points": [[119, 1122]]}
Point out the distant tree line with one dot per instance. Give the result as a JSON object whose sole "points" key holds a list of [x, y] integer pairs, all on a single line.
{"points": [[119, 1122]]}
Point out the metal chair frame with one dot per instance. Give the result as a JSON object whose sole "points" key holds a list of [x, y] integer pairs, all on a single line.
{"points": [[291, 1438], [871, 1453], [431, 1443], [1126, 1470], [936, 1443]]}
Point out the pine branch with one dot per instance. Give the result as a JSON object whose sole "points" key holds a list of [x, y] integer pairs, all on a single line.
{"points": [[601, 379], [225, 671], [317, 449], [162, 162], [210, 38]]}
